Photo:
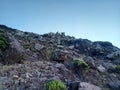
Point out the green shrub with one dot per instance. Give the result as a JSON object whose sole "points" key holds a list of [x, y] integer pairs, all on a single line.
{"points": [[49, 54], [26, 46], [3, 42], [33, 49], [79, 63], [54, 85], [117, 68]]}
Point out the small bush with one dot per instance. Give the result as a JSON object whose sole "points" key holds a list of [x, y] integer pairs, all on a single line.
{"points": [[80, 63], [33, 49], [50, 53], [3, 42], [54, 85], [26, 46], [117, 68]]}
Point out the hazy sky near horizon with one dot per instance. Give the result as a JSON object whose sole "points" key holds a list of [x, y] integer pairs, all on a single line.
{"points": [[96, 20]]}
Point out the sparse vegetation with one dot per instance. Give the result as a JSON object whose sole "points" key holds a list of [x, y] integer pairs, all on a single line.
{"points": [[33, 49], [54, 85], [3, 42], [26, 46], [49, 54], [117, 68], [32, 61], [79, 63]]}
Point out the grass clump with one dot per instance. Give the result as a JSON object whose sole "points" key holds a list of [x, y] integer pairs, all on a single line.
{"points": [[3, 42], [54, 85], [79, 63], [117, 68]]}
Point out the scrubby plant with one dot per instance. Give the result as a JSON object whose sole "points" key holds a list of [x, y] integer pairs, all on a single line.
{"points": [[54, 85], [3, 42], [33, 49], [117, 68], [49, 54], [26, 46], [79, 63]]}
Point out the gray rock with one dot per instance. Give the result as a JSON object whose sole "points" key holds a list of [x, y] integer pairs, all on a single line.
{"points": [[60, 55], [20, 33], [114, 85], [60, 46], [68, 75], [28, 75], [101, 68], [14, 53], [60, 66], [71, 47], [4, 80], [77, 85], [15, 44], [32, 58], [114, 55], [38, 46], [90, 61], [54, 78], [117, 61], [74, 85], [88, 86], [109, 66]]}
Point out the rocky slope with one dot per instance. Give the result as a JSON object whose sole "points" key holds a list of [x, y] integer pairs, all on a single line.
{"points": [[28, 61]]}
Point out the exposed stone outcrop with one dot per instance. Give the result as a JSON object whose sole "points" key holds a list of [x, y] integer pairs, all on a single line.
{"points": [[34, 60]]}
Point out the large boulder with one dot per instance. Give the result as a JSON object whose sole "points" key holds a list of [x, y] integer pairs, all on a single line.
{"points": [[90, 61], [114, 55], [100, 48], [14, 53], [83, 45], [90, 48]]}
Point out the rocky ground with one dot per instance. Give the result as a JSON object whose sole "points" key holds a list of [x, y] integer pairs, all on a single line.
{"points": [[28, 61]]}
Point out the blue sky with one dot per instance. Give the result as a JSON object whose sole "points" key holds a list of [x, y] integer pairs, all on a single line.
{"points": [[97, 20]]}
